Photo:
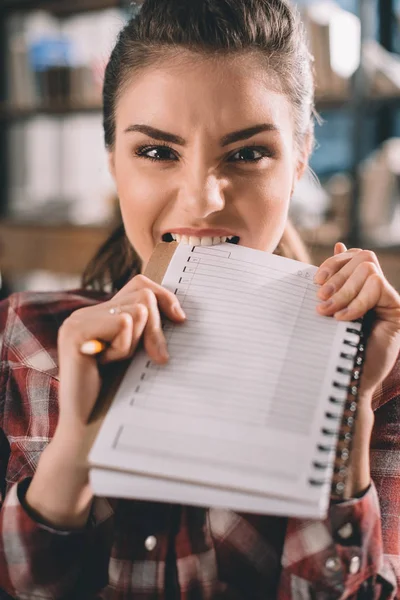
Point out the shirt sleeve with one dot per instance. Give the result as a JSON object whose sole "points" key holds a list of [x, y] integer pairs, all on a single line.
{"points": [[355, 553], [3, 319], [50, 562], [37, 560], [339, 557]]}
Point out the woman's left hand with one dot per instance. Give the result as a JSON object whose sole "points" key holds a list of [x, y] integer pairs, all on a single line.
{"points": [[352, 283]]}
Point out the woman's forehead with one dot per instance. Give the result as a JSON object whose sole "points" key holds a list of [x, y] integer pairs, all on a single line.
{"points": [[219, 91], [242, 72]]}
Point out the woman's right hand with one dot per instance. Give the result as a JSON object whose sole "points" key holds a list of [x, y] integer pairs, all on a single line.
{"points": [[59, 493], [140, 302]]}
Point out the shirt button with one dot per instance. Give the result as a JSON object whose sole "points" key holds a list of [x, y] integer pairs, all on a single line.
{"points": [[355, 564], [332, 564], [150, 543], [346, 531]]}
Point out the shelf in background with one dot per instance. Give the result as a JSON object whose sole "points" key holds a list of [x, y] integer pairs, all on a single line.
{"points": [[63, 8], [66, 249], [16, 114], [322, 104], [369, 103]]}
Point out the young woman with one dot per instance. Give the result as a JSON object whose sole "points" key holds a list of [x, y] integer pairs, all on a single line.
{"points": [[208, 119]]}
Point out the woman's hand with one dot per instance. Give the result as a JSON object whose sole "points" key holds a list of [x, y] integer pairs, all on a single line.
{"points": [[137, 316], [352, 283], [59, 493]]}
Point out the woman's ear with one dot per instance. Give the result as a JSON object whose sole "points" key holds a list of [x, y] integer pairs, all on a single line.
{"points": [[111, 163], [304, 155]]}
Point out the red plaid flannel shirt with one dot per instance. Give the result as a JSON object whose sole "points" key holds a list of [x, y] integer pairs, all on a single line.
{"points": [[215, 553]]}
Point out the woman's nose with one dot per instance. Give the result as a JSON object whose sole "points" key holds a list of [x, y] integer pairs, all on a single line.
{"points": [[202, 199]]}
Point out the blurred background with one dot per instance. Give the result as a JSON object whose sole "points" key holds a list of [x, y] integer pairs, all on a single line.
{"points": [[57, 199]]}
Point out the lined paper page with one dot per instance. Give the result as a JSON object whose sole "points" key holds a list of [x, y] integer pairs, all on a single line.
{"points": [[242, 401]]}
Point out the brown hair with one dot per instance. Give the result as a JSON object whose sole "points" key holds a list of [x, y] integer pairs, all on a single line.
{"points": [[270, 28]]}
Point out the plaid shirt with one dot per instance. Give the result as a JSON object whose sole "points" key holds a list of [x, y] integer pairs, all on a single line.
{"points": [[145, 550]]}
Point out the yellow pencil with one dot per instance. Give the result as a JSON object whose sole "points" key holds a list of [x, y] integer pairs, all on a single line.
{"points": [[93, 347]]}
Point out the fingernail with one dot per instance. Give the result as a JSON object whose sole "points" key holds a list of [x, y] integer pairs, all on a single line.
{"points": [[342, 312], [321, 277], [327, 290], [178, 311], [162, 349]]}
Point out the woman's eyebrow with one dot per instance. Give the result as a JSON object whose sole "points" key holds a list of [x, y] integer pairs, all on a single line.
{"points": [[157, 134], [244, 134], [230, 138]]}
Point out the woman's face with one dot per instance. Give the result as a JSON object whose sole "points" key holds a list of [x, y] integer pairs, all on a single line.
{"points": [[204, 148]]}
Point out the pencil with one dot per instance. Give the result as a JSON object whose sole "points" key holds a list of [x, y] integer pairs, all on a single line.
{"points": [[93, 347]]}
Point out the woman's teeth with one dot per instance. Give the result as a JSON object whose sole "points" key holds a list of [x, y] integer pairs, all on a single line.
{"points": [[199, 241]]}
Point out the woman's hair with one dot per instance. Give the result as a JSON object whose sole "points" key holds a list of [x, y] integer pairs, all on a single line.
{"points": [[270, 29]]}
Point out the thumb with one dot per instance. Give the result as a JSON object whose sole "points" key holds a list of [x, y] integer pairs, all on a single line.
{"points": [[339, 248]]}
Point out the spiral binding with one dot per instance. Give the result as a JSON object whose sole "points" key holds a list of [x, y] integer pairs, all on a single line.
{"points": [[347, 416]]}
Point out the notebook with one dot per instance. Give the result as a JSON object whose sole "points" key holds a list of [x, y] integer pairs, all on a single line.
{"points": [[256, 407]]}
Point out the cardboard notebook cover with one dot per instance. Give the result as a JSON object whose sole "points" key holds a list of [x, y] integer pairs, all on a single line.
{"points": [[114, 373]]}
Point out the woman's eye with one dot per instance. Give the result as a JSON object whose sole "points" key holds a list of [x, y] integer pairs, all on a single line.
{"points": [[166, 154], [156, 153], [250, 154]]}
